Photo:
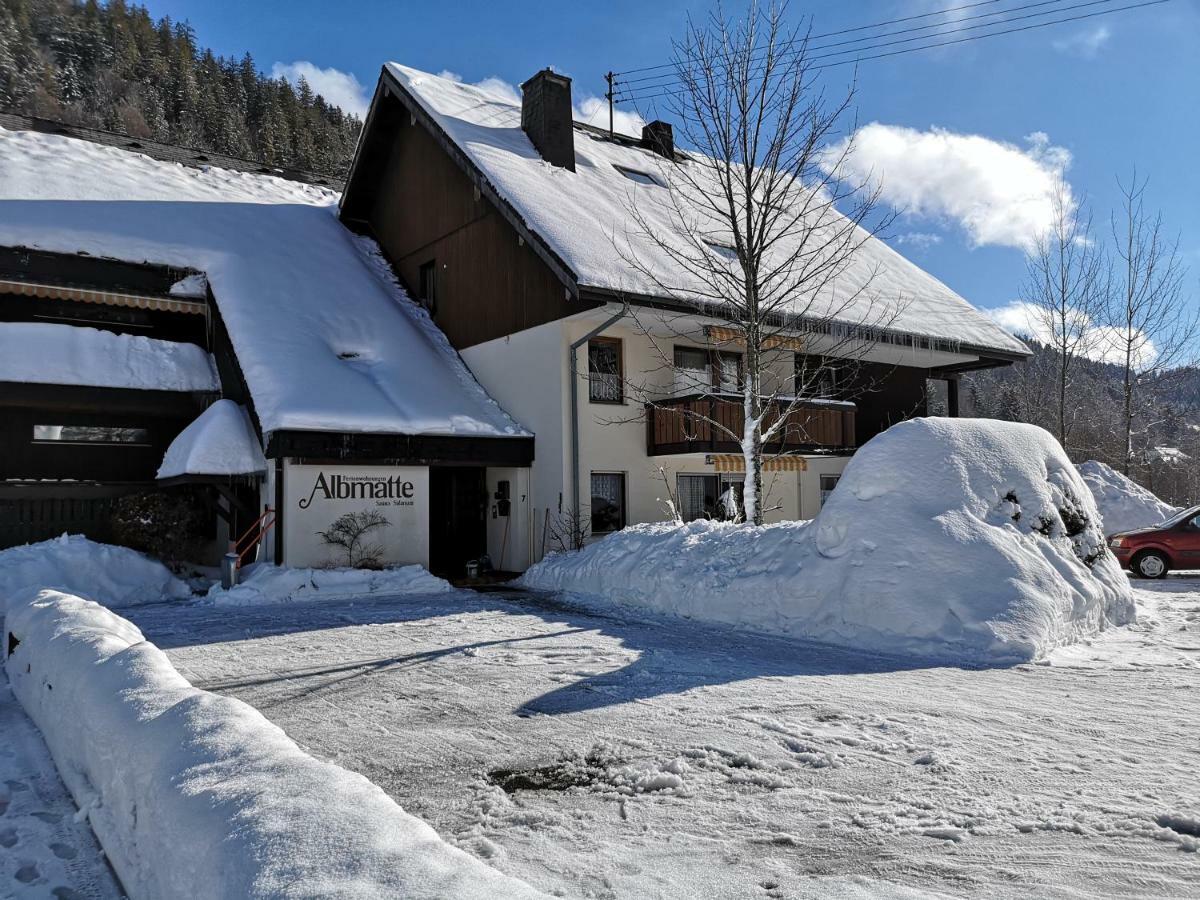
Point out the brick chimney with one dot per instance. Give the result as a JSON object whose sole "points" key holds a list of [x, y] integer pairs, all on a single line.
{"points": [[659, 137], [546, 117]]}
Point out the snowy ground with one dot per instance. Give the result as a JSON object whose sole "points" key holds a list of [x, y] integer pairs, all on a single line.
{"points": [[44, 852], [601, 756]]}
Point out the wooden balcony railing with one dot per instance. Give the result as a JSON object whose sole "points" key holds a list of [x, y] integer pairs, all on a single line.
{"points": [[685, 425]]}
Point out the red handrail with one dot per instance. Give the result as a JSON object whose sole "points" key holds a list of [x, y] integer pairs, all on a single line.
{"points": [[252, 535]]}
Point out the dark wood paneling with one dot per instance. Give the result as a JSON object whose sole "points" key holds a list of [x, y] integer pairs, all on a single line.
{"points": [[884, 396], [490, 283], [23, 458], [684, 425], [401, 449]]}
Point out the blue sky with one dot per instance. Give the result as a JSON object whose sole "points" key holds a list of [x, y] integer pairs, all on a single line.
{"points": [[953, 124]]}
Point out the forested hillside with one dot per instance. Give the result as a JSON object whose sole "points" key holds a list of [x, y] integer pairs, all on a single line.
{"points": [[1168, 417], [112, 66]]}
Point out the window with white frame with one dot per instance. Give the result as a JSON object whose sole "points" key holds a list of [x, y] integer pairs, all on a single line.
{"points": [[608, 502], [716, 497], [828, 483], [604, 371]]}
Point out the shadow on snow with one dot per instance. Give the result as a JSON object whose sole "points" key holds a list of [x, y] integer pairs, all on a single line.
{"points": [[674, 655]]}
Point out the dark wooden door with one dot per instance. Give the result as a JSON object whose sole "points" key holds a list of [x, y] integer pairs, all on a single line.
{"points": [[457, 526]]}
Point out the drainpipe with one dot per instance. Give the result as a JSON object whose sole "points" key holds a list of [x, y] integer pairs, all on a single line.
{"points": [[574, 354]]}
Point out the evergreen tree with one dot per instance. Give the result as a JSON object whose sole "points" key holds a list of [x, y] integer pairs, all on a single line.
{"points": [[110, 65]]}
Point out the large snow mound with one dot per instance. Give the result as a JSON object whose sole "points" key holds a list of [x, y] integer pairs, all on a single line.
{"points": [[221, 441], [50, 353], [960, 539], [116, 577], [1123, 503], [323, 341], [192, 794], [267, 584]]}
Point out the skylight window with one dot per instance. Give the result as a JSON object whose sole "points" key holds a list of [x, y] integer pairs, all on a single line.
{"points": [[727, 251], [638, 176]]}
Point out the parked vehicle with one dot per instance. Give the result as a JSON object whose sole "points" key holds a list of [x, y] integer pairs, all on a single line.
{"points": [[1153, 552]]}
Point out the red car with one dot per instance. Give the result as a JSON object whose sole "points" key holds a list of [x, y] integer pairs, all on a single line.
{"points": [[1153, 552]]}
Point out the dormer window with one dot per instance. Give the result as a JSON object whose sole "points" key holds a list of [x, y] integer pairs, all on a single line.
{"points": [[639, 176]]}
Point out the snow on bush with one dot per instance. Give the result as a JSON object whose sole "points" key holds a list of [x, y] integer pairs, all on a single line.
{"points": [[1123, 503], [192, 794], [960, 539], [267, 584], [113, 576]]}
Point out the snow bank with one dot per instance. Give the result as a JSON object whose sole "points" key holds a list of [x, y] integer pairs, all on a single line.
{"points": [[962, 539], [1123, 503], [221, 441], [192, 794], [267, 584], [46, 353], [116, 577]]}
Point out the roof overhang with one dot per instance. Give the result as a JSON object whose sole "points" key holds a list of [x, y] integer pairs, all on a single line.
{"points": [[402, 449]]}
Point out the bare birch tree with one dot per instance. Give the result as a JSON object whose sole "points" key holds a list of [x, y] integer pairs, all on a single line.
{"points": [[1153, 326], [1066, 290], [759, 226]]}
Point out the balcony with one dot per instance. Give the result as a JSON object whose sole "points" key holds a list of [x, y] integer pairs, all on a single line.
{"points": [[683, 425]]}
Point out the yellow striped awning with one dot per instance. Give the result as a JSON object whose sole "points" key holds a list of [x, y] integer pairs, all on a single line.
{"points": [[722, 334], [104, 298], [735, 462]]}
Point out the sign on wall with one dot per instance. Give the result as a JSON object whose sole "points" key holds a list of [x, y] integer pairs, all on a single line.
{"points": [[392, 502]]}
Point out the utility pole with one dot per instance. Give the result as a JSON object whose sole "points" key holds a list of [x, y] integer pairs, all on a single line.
{"points": [[608, 77]]}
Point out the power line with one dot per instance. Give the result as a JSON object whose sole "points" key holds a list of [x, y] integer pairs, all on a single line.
{"points": [[670, 76], [1104, 12], [940, 12]]}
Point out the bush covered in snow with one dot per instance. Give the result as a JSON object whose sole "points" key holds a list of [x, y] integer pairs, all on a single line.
{"points": [[974, 540], [266, 584], [1123, 503], [166, 524], [113, 576], [192, 794]]}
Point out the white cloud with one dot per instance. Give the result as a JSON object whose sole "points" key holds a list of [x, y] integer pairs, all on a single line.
{"points": [[998, 193], [1099, 341], [587, 109], [919, 240], [340, 88], [1086, 43]]}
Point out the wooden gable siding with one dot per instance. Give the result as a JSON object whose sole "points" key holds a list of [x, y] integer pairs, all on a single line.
{"points": [[489, 283], [885, 395]]}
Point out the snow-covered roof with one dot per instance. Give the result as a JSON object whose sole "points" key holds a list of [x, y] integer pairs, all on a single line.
{"points": [[582, 214], [47, 353], [325, 343], [221, 441]]}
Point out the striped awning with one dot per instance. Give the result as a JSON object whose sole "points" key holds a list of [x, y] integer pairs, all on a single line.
{"points": [[104, 298], [735, 462], [722, 334]]}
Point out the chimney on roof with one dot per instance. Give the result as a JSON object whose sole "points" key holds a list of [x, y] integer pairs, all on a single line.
{"points": [[546, 117], [659, 137]]}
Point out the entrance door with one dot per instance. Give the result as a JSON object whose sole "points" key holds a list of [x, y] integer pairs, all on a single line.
{"points": [[457, 523]]}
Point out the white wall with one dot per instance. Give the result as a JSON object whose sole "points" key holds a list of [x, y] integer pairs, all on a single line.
{"points": [[527, 373], [510, 538]]}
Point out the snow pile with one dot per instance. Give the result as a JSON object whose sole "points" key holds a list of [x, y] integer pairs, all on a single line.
{"points": [[192, 794], [266, 584], [45, 353], [221, 441], [323, 342], [1124, 504], [962, 539], [580, 214], [113, 576]]}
